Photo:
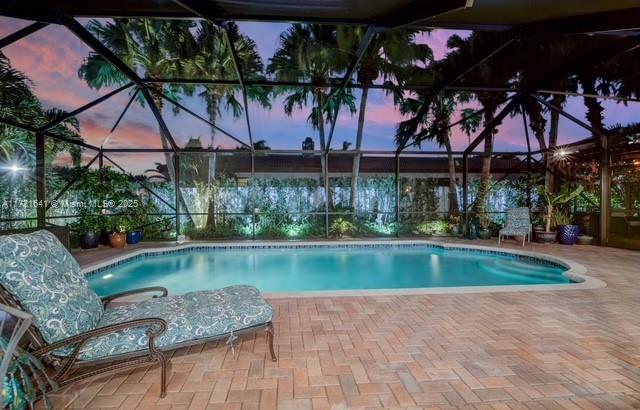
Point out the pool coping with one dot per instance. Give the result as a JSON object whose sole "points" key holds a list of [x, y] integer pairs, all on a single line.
{"points": [[575, 271]]}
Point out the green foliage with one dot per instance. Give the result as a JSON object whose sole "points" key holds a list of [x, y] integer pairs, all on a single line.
{"points": [[26, 379], [553, 201], [435, 227], [89, 223], [566, 195], [560, 217], [341, 227]]}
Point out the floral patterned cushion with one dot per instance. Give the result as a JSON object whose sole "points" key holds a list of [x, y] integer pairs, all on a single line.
{"points": [[43, 276], [517, 223], [192, 316]]}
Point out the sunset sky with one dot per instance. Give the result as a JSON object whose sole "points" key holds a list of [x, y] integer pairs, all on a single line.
{"points": [[52, 56]]}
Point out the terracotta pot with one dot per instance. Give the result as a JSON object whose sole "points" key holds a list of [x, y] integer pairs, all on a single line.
{"points": [[118, 240]]}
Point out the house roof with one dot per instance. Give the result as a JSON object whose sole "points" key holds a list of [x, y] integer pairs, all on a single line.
{"points": [[342, 164]]}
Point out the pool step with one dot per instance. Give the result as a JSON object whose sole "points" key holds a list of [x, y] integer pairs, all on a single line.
{"points": [[524, 265], [504, 270]]}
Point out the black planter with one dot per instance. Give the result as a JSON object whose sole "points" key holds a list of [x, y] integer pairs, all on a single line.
{"points": [[89, 240], [568, 234], [484, 233], [545, 237]]}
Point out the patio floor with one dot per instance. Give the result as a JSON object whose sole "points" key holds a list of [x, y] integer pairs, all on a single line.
{"points": [[542, 349]]}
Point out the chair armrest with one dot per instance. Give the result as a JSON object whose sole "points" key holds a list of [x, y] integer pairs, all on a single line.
{"points": [[110, 298], [156, 327]]}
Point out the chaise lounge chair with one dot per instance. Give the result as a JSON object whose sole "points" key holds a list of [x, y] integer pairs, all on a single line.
{"points": [[74, 327], [518, 223]]}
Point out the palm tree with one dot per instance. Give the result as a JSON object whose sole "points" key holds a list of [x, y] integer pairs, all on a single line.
{"points": [[437, 125], [389, 56], [157, 48], [18, 101], [214, 60], [310, 53], [464, 53]]}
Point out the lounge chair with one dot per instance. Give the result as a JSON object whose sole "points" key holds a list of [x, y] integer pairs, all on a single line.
{"points": [[518, 223], [74, 327]]}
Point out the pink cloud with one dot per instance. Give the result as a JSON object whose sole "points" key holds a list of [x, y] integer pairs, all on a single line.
{"points": [[51, 57]]}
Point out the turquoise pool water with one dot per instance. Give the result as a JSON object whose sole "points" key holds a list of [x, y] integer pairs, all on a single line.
{"points": [[327, 268]]}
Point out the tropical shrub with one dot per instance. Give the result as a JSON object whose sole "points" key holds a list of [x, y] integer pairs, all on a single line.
{"points": [[341, 227]]}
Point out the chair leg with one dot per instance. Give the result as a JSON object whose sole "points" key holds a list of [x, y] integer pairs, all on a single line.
{"points": [[269, 331], [159, 357]]}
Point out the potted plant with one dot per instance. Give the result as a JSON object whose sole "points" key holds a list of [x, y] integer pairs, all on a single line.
{"points": [[133, 235], [484, 223], [454, 224], [90, 227], [585, 239], [340, 227], [118, 237], [567, 232], [551, 202]]}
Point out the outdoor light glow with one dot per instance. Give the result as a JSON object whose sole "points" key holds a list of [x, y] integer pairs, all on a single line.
{"points": [[14, 168], [561, 155], [107, 276]]}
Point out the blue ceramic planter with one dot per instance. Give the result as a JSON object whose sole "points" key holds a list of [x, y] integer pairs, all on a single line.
{"points": [[134, 237], [568, 234]]}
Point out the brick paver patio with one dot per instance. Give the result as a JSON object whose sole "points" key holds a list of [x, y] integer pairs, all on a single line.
{"points": [[544, 349]]}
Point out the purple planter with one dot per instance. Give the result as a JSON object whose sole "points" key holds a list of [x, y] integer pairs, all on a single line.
{"points": [[568, 234]]}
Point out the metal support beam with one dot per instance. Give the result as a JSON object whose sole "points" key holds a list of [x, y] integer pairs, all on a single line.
{"points": [[397, 184], [326, 84], [73, 181], [41, 180], [85, 107], [252, 195], [241, 80], [115, 125], [164, 130], [12, 123], [526, 133], [337, 94], [142, 184], [446, 83], [23, 32], [201, 118], [605, 190], [212, 12], [325, 172], [567, 115], [90, 40], [176, 165]]}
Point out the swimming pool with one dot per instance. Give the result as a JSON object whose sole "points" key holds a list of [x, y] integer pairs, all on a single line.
{"points": [[326, 268]]}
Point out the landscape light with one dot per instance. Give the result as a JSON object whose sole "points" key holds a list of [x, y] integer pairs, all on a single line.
{"points": [[14, 168]]}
